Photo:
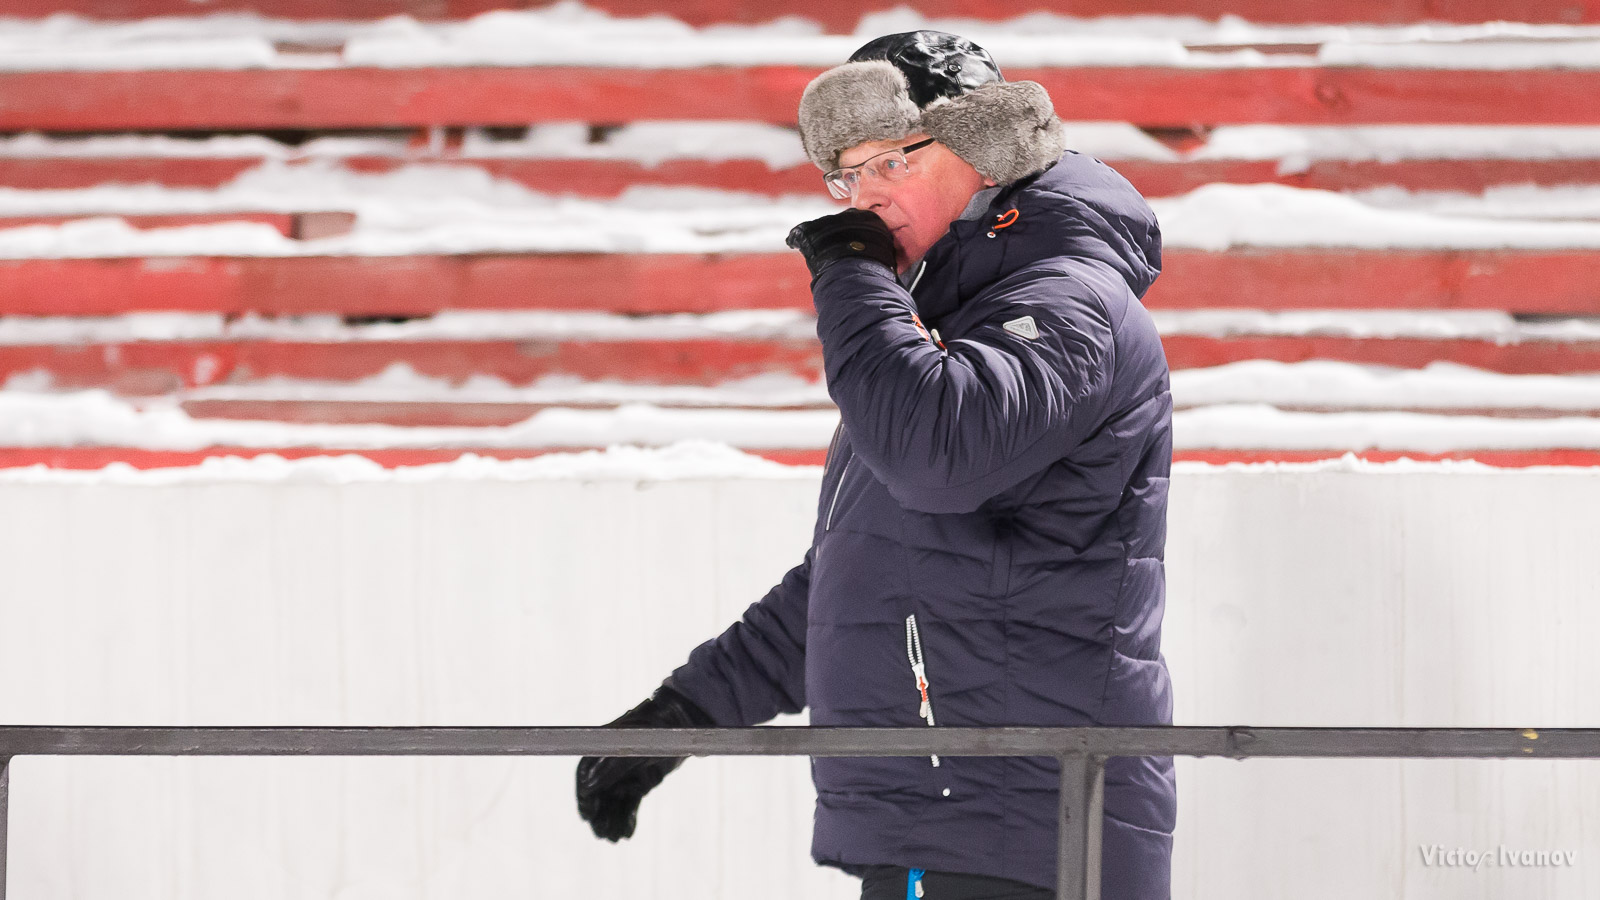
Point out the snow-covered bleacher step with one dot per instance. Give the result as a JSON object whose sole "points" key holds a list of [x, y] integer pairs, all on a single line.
{"points": [[1403, 339], [400, 396], [145, 354], [290, 225], [257, 360], [1530, 281], [568, 63], [415, 271], [1155, 96], [1507, 420], [425, 240], [847, 15], [578, 159], [101, 456]]}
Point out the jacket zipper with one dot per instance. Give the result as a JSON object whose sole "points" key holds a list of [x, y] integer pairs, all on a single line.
{"points": [[919, 668], [835, 502]]}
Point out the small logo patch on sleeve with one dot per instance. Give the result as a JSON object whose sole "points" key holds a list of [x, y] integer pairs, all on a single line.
{"points": [[1023, 327]]}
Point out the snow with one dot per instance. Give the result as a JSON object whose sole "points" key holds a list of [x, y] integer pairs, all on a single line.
{"points": [[1315, 383], [510, 38], [421, 208], [442, 209], [1486, 325], [757, 324], [20, 55], [684, 460], [400, 383], [654, 142], [1494, 55], [648, 142], [41, 330], [1258, 426], [1353, 464], [97, 418], [34, 145], [581, 228], [1116, 141], [1297, 146], [746, 325], [411, 195], [1325, 383], [1219, 217], [571, 34], [1509, 201]]}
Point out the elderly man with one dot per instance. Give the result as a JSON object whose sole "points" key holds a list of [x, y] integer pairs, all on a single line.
{"points": [[989, 536]]}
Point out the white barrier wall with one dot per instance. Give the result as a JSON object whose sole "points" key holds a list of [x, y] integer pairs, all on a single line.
{"points": [[491, 595]]}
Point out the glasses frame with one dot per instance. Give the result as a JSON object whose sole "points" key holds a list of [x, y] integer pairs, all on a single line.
{"points": [[828, 178]]}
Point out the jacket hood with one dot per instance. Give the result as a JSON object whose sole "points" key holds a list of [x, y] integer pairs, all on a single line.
{"points": [[1080, 209]]}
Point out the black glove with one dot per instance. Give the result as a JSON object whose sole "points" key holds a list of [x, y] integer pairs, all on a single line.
{"points": [[610, 787], [852, 233]]}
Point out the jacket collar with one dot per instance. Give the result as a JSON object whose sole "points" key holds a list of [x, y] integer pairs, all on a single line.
{"points": [[957, 266], [976, 207], [1078, 211]]}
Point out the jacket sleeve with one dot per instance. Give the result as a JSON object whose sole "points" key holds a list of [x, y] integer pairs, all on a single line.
{"points": [[756, 669], [946, 429]]}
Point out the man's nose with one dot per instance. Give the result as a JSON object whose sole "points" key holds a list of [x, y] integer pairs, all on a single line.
{"points": [[869, 195]]}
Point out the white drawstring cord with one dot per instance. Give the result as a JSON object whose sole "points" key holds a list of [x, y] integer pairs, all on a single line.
{"points": [[920, 670], [921, 267]]}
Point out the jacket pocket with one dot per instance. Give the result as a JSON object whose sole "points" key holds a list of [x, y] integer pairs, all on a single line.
{"points": [[919, 669]]}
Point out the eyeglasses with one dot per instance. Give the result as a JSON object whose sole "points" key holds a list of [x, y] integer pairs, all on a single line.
{"points": [[890, 165]]}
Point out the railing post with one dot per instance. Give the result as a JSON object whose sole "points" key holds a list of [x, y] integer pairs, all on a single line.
{"points": [[1083, 780], [5, 814]]}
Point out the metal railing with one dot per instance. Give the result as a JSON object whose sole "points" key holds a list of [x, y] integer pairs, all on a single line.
{"points": [[1081, 751]]}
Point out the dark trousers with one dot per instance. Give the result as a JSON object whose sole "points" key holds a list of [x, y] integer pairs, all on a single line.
{"points": [[892, 883]]}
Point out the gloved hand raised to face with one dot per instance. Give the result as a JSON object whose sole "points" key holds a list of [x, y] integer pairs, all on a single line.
{"points": [[610, 787], [852, 233]]}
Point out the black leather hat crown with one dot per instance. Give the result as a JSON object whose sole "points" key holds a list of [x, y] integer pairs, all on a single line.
{"points": [[936, 65], [939, 84]]}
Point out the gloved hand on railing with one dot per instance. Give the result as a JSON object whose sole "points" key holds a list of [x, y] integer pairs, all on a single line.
{"points": [[610, 787]]}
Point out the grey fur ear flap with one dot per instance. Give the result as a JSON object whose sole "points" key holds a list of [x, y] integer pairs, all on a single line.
{"points": [[1006, 130], [852, 104]]}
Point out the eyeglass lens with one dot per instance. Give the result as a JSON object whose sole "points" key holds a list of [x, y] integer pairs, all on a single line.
{"points": [[891, 165]]}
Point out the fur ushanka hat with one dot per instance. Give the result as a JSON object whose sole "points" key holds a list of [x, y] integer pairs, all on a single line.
{"points": [[938, 84]]}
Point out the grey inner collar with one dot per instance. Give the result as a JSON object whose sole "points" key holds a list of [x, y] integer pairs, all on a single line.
{"points": [[975, 209], [979, 202]]}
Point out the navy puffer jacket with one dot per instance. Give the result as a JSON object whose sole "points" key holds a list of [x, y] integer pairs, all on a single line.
{"points": [[995, 511]]}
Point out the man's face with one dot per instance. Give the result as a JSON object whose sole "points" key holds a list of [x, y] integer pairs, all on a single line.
{"points": [[919, 208]]}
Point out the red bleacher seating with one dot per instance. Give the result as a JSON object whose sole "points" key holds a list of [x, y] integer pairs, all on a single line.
{"points": [[608, 178], [1518, 281], [1174, 104], [1161, 97], [842, 16]]}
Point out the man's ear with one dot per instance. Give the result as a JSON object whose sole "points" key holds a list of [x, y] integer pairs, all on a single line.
{"points": [[990, 182]]}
